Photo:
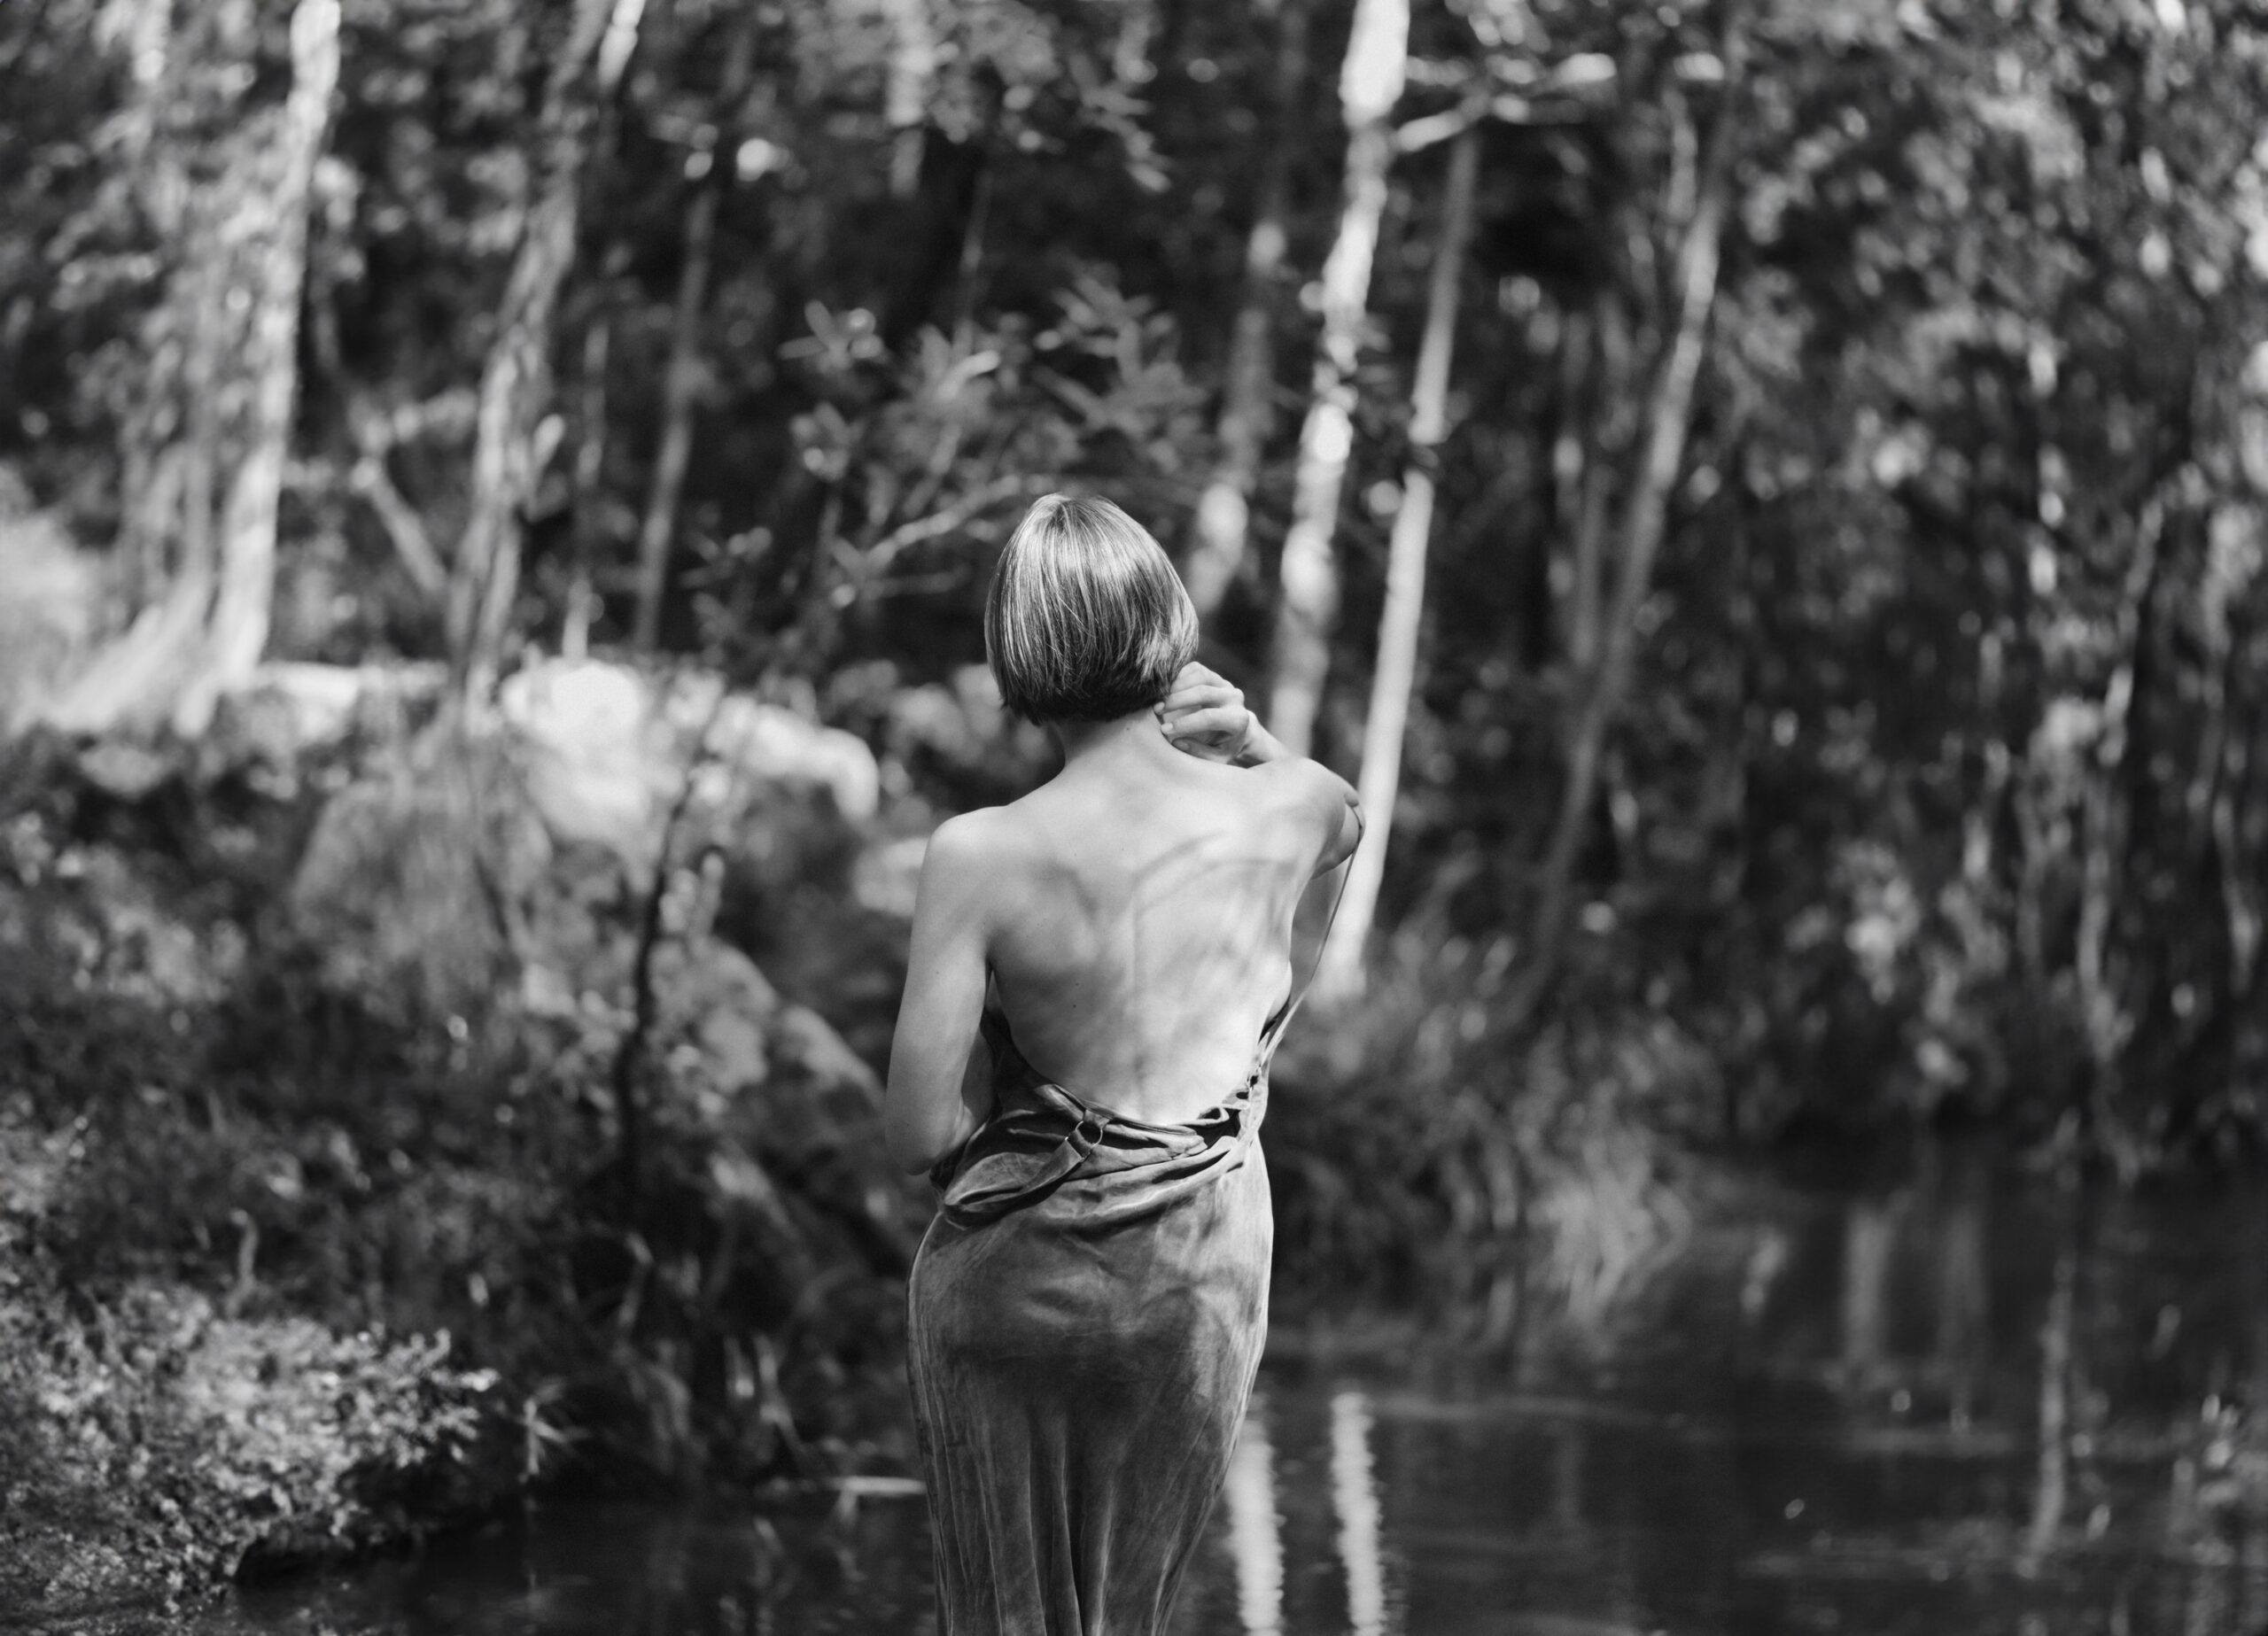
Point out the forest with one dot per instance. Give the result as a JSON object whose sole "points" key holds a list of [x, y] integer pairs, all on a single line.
{"points": [[1767, 498]]}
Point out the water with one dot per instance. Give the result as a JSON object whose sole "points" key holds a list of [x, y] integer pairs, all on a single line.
{"points": [[1824, 1414]]}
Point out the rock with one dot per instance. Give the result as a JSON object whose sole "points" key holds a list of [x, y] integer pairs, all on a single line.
{"points": [[608, 753], [713, 998], [51, 611], [418, 877], [290, 709], [124, 770], [517, 865], [592, 768], [767, 742], [291, 715]]}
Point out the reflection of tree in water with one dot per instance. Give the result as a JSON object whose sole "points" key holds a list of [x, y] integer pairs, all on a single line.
{"points": [[1354, 1501], [1961, 1290], [1255, 1539], [2057, 1372], [1869, 1236]]}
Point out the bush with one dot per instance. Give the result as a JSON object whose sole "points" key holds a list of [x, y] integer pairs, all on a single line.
{"points": [[1417, 1147], [151, 1440]]}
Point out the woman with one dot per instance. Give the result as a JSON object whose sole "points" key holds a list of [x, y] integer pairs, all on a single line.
{"points": [[1089, 1305]]}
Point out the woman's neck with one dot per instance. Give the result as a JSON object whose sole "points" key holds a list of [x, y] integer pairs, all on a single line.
{"points": [[1137, 732]]}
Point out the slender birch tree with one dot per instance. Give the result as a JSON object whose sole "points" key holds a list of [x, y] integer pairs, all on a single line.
{"points": [[2105, 822], [207, 446], [1370, 83], [912, 83], [1248, 384], [515, 382], [1395, 673], [583, 602]]}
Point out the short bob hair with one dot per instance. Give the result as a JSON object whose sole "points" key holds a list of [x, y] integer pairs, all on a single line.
{"points": [[1085, 619]]}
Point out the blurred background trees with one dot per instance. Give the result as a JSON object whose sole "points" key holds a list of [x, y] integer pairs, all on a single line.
{"points": [[1845, 523], [1769, 494]]}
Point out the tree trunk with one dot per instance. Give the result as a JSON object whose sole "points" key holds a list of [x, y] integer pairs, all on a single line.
{"points": [[584, 605], [913, 79], [1370, 83], [515, 382], [1599, 693], [689, 371], [1224, 512], [1609, 373], [1339, 975], [2107, 1020], [207, 446], [369, 478]]}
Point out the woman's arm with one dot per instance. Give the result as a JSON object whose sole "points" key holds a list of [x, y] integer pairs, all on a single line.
{"points": [[1203, 715], [925, 1115], [1206, 716]]}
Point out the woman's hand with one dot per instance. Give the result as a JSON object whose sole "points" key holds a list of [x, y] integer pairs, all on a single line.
{"points": [[1205, 716]]}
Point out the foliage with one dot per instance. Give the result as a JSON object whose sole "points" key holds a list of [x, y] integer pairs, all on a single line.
{"points": [[157, 1440], [228, 1183], [1418, 1146]]}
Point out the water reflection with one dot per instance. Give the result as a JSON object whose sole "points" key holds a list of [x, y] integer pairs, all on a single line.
{"points": [[1963, 1313], [2051, 1492], [1355, 1500], [1255, 1542], [1870, 1234], [1843, 1410]]}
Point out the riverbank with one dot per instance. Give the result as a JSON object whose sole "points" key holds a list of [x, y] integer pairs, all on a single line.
{"points": [[1822, 1414]]}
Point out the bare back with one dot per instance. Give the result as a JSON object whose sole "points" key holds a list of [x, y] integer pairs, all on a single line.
{"points": [[1134, 915], [1141, 919]]}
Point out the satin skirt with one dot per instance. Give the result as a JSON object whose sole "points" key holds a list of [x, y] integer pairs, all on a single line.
{"points": [[1088, 1311]]}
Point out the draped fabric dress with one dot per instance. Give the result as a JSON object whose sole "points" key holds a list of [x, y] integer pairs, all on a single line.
{"points": [[1088, 1311]]}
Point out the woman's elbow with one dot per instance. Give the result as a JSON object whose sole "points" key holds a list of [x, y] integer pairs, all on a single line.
{"points": [[912, 1157], [915, 1144]]}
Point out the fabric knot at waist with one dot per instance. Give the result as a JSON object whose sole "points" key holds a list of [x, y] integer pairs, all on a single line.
{"points": [[1042, 1136]]}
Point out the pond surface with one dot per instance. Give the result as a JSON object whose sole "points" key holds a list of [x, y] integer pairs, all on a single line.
{"points": [[1824, 1412]]}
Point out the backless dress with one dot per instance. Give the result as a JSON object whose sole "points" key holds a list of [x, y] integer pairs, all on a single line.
{"points": [[1087, 1313]]}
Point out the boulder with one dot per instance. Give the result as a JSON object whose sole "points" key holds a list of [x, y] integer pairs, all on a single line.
{"points": [[716, 1012], [515, 866], [52, 608], [415, 885], [291, 718], [609, 751], [768, 743], [596, 770]]}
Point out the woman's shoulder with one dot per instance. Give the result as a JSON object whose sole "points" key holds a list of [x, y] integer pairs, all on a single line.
{"points": [[987, 846], [1305, 785], [969, 840], [964, 857]]}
